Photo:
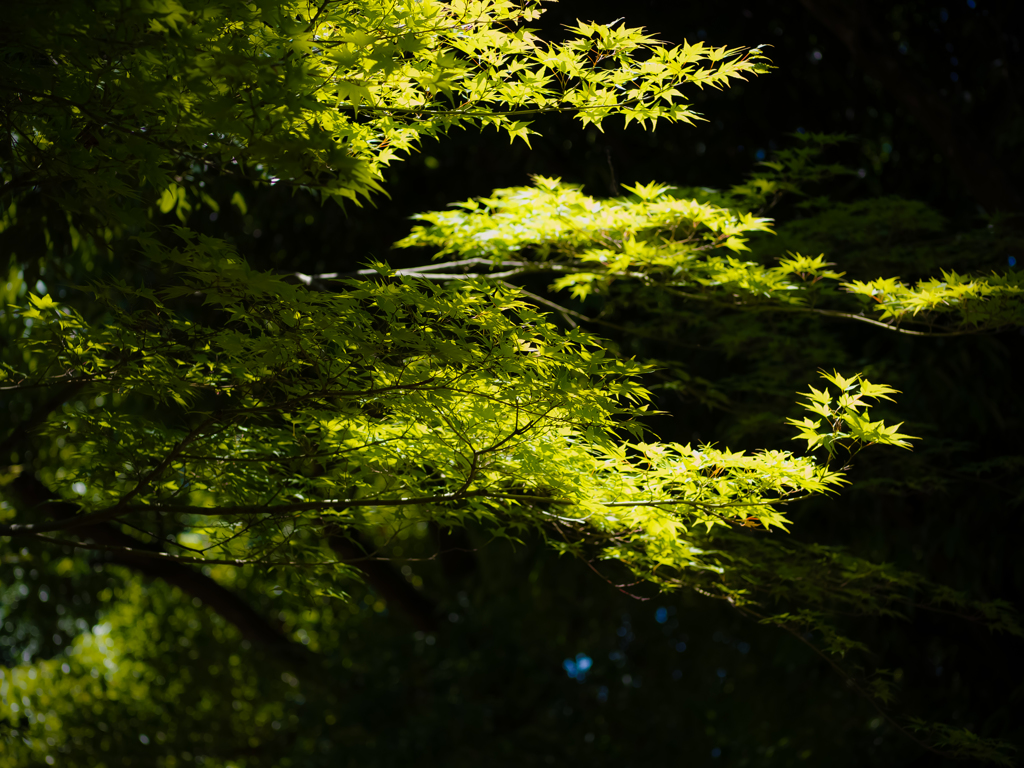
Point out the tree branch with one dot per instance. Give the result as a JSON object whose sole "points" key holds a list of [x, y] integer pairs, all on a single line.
{"points": [[383, 578], [38, 416], [73, 522], [27, 493]]}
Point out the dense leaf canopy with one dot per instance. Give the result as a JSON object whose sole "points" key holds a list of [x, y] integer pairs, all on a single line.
{"points": [[233, 475]]}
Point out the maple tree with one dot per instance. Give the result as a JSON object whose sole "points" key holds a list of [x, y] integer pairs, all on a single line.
{"points": [[193, 419]]}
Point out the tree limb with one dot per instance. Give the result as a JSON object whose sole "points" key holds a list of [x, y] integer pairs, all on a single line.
{"points": [[383, 578], [26, 492]]}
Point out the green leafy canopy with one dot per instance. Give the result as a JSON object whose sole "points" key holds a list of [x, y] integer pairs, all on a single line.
{"points": [[182, 410], [689, 248]]}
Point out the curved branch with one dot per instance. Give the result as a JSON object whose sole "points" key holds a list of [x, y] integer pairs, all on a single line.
{"points": [[26, 492], [73, 522], [383, 578]]}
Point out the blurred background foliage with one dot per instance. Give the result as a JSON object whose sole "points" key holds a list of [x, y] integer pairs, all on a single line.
{"points": [[539, 660]]}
